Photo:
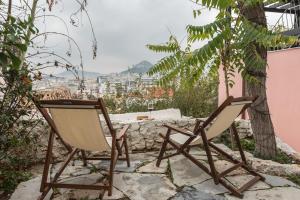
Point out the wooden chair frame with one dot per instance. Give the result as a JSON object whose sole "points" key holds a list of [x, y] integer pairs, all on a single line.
{"points": [[119, 143], [199, 129]]}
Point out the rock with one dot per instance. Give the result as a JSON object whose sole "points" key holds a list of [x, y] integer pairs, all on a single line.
{"points": [[265, 166], [277, 193], [276, 181], [190, 193], [240, 180], [296, 156], [210, 187], [182, 123], [284, 147], [184, 172], [144, 186], [134, 126], [274, 168], [29, 190]]}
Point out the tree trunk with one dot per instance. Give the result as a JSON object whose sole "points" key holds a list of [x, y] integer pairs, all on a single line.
{"points": [[262, 126]]}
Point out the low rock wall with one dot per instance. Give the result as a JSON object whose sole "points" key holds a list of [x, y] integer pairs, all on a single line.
{"points": [[144, 135]]}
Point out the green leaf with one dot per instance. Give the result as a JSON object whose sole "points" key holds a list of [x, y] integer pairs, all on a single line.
{"points": [[22, 47], [3, 59], [15, 60]]}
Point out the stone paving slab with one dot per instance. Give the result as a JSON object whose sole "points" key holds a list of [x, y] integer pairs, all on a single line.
{"points": [[29, 190], [210, 187], [116, 195], [71, 170], [222, 165], [240, 180], [185, 172], [121, 166], [89, 179], [151, 167], [144, 181], [199, 151], [277, 193], [144, 186], [276, 181], [136, 160], [190, 193]]}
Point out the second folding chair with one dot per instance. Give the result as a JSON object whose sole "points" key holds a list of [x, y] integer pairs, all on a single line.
{"points": [[220, 120]]}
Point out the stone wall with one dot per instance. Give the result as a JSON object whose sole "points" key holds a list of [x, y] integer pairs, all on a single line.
{"points": [[144, 135]]}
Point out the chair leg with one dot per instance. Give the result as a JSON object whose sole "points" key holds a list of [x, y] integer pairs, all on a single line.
{"points": [[238, 143], [163, 149], [119, 148], [47, 161], [126, 151], [188, 149], [83, 158], [209, 158], [114, 159], [44, 193], [110, 182]]}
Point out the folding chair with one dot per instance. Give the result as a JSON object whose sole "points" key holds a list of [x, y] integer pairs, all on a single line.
{"points": [[220, 120], [77, 124]]}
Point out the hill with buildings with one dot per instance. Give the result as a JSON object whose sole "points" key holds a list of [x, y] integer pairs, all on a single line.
{"points": [[140, 68]]}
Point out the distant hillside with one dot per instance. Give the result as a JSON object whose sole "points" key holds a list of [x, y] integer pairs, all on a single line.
{"points": [[142, 67], [87, 74]]}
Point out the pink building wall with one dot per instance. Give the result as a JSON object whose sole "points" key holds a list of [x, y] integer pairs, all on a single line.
{"points": [[283, 92]]}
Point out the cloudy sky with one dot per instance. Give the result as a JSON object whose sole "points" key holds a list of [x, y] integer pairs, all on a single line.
{"points": [[122, 29]]}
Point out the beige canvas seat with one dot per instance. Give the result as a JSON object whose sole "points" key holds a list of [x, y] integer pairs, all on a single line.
{"points": [[221, 120], [220, 124], [77, 123]]}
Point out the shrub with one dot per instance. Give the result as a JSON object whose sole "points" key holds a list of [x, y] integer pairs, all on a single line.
{"points": [[199, 100], [16, 140]]}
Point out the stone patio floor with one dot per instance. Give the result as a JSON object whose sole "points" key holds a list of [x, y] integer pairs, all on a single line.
{"points": [[176, 179]]}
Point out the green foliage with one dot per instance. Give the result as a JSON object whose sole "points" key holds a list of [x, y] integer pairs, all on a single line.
{"points": [[199, 100], [294, 178], [196, 101], [135, 104], [219, 4], [248, 145], [173, 66], [282, 158], [110, 103], [230, 41], [11, 179], [16, 139]]}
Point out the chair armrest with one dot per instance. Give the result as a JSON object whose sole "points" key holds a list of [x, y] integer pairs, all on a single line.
{"points": [[198, 124], [179, 130], [123, 131]]}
